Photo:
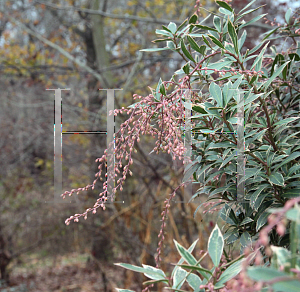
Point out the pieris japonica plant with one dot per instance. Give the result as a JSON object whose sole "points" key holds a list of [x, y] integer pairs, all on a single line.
{"points": [[244, 136], [249, 272], [189, 270]]}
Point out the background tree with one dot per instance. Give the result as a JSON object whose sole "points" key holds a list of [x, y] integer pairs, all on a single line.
{"points": [[84, 45]]}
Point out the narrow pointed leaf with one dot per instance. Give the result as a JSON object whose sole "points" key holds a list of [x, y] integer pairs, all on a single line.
{"points": [[190, 249], [204, 27], [276, 178], [172, 27], [154, 50], [162, 89], [245, 239], [262, 220], [196, 268], [260, 56], [255, 196], [233, 36], [186, 255], [193, 19], [230, 273], [248, 5], [216, 41], [286, 121], [185, 51], [288, 159], [288, 15], [253, 20], [206, 41], [217, 23], [224, 5], [216, 93], [279, 70], [194, 281], [151, 272], [246, 221], [215, 245], [179, 278], [194, 45]]}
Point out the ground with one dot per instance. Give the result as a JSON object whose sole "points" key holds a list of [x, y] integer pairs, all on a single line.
{"points": [[71, 273]]}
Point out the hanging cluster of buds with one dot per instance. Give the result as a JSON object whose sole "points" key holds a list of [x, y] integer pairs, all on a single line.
{"points": [[169, 115], [211, 207]]}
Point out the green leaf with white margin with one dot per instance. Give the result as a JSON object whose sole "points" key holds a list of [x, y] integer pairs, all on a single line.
{"points": [[286, 121], [267, 274], [187, 256], [204, 272], [185, 51], [216, 93], [172, 27], [237, 83], [162, 89], [229, 273], [241, 41], [288, 15], [190, 249], [218, 66], [152, 274], [154, 270], [179, 278], [248, 11], [245, 239], [250, 172], [230, 158], [288, 159], [154, 49], [228, 215], [248, 5], [227, 92], [225, 11], [253, 20], [204, 27], [164, 32], [202, 50], [262, 220], [225, 5], [233, 36], [149, 282], [189, 172], [193, 19], [246, 221], [259, 201], [215, 245], [260, 56], [194, 281], [276, 178], [233, 237], [292, 193], [217, 23], [256, 194], [171, 45], [216, 41], [275, 74], [194, 45]]}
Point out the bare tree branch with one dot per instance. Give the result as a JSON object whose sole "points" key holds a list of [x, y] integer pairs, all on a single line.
{"points": [[56, 47], [131, 17], [110, 15]]}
